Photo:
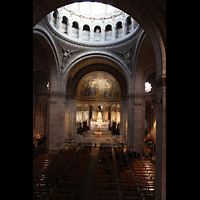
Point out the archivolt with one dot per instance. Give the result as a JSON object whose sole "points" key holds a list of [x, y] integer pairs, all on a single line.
{"points": [[113, 65]]}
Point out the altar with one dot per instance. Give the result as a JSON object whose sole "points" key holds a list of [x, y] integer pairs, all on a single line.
{"points": [[99, 126]]}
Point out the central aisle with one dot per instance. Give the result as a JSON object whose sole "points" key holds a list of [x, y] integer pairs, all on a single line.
{"points": [[89, 176]]}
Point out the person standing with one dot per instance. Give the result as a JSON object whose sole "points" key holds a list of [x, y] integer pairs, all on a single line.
{"points": [[150, 155]]}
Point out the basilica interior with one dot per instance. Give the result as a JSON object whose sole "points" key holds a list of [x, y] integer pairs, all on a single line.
{"points": [[99, 77]]}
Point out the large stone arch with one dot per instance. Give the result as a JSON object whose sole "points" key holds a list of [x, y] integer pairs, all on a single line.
{"points": [[91, 61], [47, 59], [150, 14], [85, 64]]}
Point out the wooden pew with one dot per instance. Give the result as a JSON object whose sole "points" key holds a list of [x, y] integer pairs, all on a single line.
{"points": [[144, 171], [40, 193]]}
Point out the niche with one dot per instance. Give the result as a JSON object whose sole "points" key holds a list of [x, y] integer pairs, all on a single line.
{"points": [[97, 33], [55, 18], [119, 30], [108, 32], [64, 24], [75, 30], [86, 33], [128, 25]]}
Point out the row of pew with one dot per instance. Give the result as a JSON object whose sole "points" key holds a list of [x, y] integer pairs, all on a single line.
{"points": [[144, 171], [69, 183], [51, 167], [58, 177], [128, 184], [105, 186]]}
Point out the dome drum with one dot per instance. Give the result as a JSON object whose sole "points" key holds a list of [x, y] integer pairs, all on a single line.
{"points": [[92, 28]]}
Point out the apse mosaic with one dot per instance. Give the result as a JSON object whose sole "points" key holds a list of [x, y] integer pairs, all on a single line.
{"points": [[98, 85]]}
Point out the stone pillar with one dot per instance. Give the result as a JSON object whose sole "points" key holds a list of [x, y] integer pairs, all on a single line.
{"points": [[136, 122], [56, 121], [102, 34], [124, 28], [58, 23], [69, 28], [130, 121], [139, 123], [113, 33], [91, 33], [160, 164], [70, 117], [123, 120], [80, 36], [132, 24]]}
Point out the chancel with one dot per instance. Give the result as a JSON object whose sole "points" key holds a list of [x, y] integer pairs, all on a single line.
{"points": [[99, 124], [99, 93]]}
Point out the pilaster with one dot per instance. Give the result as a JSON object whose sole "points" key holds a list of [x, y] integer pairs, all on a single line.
{"points": [[56, 121], [130, 121], [139, 122], [70, 117], [160, 165], [136, 120]]}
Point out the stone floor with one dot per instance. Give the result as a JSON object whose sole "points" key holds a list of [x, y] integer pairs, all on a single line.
{"points": [[90, 138], [87, 185]]}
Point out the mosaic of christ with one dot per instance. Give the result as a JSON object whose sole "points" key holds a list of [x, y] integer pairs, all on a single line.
{"points": [[98, 84]]}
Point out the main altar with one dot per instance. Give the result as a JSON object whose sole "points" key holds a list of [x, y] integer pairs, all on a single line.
{"points": [[99, 124]]}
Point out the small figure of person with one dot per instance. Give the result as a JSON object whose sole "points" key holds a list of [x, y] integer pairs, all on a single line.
{"points": [[150, 155], [138, 155], [121, 166], [146, 154]]}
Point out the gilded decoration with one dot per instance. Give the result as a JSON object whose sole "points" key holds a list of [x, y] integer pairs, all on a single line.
{"points": [[98, 85]]}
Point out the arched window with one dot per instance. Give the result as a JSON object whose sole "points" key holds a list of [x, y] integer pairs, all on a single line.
{"points": [[108, 32], [97, 33], [97, 29], [86, 32], [86, 28], [55, 17], [128, 25], [75, 25], [75, 30], [64, 24], [119, 30]]}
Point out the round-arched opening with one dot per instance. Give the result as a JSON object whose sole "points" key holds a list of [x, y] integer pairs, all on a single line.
{"points": [[98, 85], [95, 15], [95, 91], [99, 108]]}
